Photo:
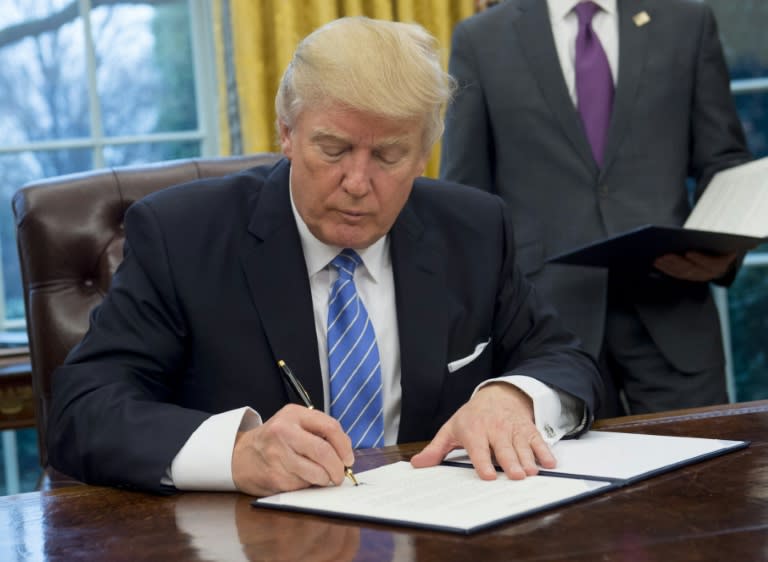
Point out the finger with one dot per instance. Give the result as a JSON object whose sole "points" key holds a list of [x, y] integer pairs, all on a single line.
{"points": [[508, 458], [329, 446], [479, 451], [434, 453], [715, 266], [283, 482], [323, 425], [525, 453], [318, 463], [695, 266], [310, 470], [261, 471], [708, 260], [680, 268], [533, 448], [293, 469], [543, 452], [672, 264], [299, 458]]}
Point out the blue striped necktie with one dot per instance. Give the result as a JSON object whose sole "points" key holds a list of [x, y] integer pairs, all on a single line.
{"points": [[353, 359]]}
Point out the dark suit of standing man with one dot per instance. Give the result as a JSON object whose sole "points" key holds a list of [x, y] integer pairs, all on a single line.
{"points": [[515, 130], [216, 287]]}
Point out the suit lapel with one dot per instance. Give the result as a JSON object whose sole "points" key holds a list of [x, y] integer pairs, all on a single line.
{"points": [[633, 45], [535, 32], [273, 263], [423, 316]]}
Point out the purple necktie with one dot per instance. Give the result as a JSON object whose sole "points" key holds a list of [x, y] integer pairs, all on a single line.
{"points": [[594, 84]]}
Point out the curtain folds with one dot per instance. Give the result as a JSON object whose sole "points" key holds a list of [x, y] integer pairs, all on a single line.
{"points": [[256, 38]]}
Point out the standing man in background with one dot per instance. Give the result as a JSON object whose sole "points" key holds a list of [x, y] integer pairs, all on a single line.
{"points": [[587, 118]]}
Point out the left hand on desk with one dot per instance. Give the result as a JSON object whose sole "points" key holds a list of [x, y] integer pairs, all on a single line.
{"points": [[695, 266], [497, 421]]}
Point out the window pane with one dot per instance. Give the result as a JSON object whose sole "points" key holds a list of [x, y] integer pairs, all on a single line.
{"points": [[42, 72], [29, 470], [753, 111], [16, 170], [742, 29], [142, 153], [742, 26], [145, 73], [748, 307]]}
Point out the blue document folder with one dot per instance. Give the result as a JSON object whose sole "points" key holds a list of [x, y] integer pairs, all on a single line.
{"points": [[637, 249]]}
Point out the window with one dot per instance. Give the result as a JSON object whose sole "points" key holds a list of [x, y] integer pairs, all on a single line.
{"points": [[93, 83], [744, 309], [86, 84]]}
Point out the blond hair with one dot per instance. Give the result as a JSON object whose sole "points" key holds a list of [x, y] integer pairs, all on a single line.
{"points": [[390, 69]]}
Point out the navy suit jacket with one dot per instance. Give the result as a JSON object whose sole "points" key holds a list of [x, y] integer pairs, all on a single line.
{"points": [[513, 130], [214, 290]]}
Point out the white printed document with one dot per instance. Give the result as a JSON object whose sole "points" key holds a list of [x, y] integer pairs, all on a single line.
{"points": [[625, 457], [735, 202], [447, 498], [451, 497]]}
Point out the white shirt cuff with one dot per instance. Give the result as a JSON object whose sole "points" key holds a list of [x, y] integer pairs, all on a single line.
{"points": [[555, 413], [205, 460]]}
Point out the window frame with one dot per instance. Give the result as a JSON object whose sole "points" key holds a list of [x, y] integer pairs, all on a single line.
{"points": [[206, 133], [752, 259]]}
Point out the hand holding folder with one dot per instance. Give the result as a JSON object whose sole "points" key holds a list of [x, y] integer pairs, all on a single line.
{"points": [[729, 218], [637, 249], [695, 266]]}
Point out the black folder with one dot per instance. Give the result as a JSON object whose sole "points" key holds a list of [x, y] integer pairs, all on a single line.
{"points": [[637, 249]]}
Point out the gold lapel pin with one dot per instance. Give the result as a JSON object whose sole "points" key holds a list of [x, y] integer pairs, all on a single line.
{"points": [[641, 18]]}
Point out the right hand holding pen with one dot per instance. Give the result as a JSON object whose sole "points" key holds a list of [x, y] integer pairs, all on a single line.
{"points": [[296, 448]]}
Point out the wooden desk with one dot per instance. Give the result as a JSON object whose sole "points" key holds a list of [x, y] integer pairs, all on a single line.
{"points": [[716, 510]]}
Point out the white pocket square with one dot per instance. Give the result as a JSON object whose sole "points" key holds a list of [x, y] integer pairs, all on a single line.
{"points": [[454, 366]]}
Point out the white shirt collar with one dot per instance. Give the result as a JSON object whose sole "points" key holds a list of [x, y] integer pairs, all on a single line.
{"points": [[559, 9], [318, 254]]}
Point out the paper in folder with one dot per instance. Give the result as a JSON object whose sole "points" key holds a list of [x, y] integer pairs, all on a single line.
{"points": [[730, 217]]}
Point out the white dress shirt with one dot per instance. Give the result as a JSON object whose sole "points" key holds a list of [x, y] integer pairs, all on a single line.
{"points": [[565, 27], [205, 460], [376, 287]]}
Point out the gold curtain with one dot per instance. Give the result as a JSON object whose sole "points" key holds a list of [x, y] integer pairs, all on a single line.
{"points": [[256, 38]]}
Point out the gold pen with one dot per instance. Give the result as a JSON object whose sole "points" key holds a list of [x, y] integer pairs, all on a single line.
{"points": [[304, 395]]}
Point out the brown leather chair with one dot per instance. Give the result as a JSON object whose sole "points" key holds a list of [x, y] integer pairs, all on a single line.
{"points": [[70, 240]]}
